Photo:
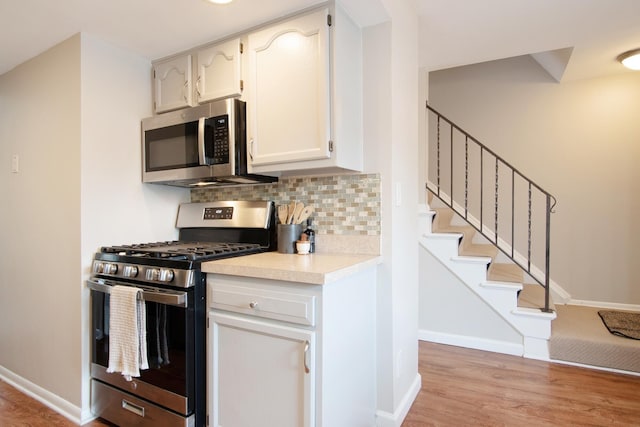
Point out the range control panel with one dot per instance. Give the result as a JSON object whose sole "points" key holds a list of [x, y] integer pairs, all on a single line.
{"points": [[218, 213]]}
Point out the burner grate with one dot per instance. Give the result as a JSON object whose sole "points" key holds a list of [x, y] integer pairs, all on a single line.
{"points": [[177, 250]]}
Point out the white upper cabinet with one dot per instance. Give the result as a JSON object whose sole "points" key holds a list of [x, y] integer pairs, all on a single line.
{"points": [[289, 86], [293, 93], [219, 70], [216, 71], [172, 84], [302, 81]]}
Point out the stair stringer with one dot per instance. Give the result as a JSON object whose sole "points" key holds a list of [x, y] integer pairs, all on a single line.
{"points": [[533, 324]]}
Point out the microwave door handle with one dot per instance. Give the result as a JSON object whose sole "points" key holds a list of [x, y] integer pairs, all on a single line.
{"points": [[202, 155]]}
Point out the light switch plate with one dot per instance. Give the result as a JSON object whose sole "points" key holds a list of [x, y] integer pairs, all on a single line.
{"points": [[15, 163]]}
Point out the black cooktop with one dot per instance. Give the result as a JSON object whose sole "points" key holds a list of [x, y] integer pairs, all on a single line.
{"points": [[177, 250]]}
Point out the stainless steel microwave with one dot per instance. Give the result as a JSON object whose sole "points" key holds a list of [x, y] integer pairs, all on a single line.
{"points": [[198, 146]]}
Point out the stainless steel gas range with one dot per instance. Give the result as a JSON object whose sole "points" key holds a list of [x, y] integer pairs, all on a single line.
{"points": [[172, 392]]}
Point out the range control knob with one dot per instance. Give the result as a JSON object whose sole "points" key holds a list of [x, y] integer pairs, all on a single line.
{"points": [[98, 267], [130, 271], [165, 275], [159, 275], [152, 274], [110, 268]]}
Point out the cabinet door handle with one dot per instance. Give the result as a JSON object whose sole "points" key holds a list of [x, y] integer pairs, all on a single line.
{"points": [[184, 91], [251, 149], [253, 304], [306, 355]]}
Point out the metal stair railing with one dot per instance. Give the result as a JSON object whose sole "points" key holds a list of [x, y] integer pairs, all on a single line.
{"points": [[477, 178]]}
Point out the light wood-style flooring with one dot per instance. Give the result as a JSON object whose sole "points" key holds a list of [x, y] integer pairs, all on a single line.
{"points": [[461, 387]]}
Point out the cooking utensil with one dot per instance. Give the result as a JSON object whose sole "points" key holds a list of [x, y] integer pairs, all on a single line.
{"points": [[292, 208], [305, 214], [297, 211], [283, 213]]}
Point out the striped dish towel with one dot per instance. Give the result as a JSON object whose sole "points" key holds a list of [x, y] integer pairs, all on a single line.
{"points": [[127, 332]]}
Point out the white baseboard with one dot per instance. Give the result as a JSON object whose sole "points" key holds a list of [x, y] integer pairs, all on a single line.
{"points": [[484, 344], [597, 368], [387, 419], [600, 304], [53, 401]]}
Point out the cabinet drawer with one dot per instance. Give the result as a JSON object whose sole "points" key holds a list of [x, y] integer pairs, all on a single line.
{"points": [[267, 303]]}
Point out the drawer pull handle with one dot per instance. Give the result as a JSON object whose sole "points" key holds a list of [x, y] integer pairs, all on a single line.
{"points": [[253, 304], [138, 410], [306, 354]]}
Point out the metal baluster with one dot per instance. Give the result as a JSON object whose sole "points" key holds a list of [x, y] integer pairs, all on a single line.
{"points": [[529, 233], [496, 204], [466, 177], [451, 165], [513, 211], [547, 256], [438, 157], [481, 189]]}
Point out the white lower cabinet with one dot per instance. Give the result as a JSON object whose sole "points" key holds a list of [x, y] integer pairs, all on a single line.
{"points": [[290, 354], [262, 373]]}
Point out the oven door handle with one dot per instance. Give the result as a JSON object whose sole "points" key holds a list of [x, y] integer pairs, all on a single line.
{"points": [[175, 298]]}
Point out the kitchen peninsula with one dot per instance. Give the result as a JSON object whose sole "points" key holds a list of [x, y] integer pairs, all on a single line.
{"points": [[318, 268], [292, 337]]}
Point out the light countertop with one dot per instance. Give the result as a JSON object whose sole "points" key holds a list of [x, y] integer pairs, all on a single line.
{"points": [[317, 268]]}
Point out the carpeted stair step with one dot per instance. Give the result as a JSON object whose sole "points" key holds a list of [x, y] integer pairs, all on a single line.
{"points": [[480, 250], [532, 296], [442, 218], [501, 272]]}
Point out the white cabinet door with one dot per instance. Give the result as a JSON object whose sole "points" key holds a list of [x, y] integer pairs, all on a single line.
{"points": [[260, 373], [219, 71], [289, 91], [172, 84]]}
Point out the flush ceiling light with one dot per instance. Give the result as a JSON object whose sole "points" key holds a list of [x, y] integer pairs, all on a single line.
{"points": [[631, 59], [220, 1]]}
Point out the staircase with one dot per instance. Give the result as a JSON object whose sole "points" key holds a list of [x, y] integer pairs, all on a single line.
{"points": [[464, 227], [490, 275]]}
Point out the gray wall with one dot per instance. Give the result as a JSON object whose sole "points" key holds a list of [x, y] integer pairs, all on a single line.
{"points": [[578, 140], [40, 215]]}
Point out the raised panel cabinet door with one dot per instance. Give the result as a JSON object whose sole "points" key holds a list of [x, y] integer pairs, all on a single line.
{"points": [[260, 373], [172, 84], [219, 71], [289, 91]]}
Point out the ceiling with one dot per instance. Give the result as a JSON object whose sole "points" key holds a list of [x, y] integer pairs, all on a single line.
{"points": [[452, 32], [461, 32]]}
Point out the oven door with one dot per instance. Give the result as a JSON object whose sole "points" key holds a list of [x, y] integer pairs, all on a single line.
{"points": [[170, 318]]}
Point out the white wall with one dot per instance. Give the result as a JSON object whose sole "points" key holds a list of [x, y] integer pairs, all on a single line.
{"points": [[451, 313], [73, 115], [578, 140], [391, 144], [116, 206]]}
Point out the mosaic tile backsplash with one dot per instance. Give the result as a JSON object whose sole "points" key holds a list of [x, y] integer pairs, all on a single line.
{"points": [[344, 204]]}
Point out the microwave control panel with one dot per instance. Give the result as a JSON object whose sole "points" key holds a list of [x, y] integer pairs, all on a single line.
{"points": [[220, 139]]}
